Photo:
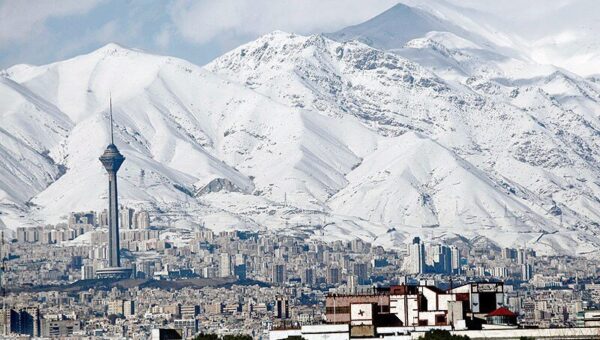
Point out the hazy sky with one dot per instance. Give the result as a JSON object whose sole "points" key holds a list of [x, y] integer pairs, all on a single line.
{"points": [[42, 31], [562, 32]]}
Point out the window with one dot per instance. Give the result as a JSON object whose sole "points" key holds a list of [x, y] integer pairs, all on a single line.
{"points": [[440, 320], [338, 310]]}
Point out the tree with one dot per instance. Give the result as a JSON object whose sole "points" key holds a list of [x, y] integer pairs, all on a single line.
{"points": [[112, 318], [226, 337], [438, 334], [206, 337]]}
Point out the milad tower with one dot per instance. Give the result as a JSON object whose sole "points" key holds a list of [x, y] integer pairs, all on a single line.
{"points": [[112, 160]]}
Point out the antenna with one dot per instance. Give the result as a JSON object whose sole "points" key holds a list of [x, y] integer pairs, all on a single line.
{"points": [[561, 219], [142, 183], [112, 139]]}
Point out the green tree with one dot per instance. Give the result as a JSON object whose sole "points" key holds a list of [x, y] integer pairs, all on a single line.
{"points": [[237, 337], [226, 337], [206, 337], [112, 318], [438, 334]]}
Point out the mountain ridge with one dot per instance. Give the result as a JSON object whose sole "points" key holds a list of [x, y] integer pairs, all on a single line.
{"points": [[289, 129]]}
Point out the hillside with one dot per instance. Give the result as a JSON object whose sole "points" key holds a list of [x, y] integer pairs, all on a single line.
{"points": [[439, 132]]}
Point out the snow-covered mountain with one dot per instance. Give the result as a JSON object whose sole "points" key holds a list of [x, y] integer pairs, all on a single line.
{"points": [[439, 131]]}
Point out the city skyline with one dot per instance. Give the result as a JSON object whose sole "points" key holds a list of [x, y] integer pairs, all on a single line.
{"points": [[243, 170]]}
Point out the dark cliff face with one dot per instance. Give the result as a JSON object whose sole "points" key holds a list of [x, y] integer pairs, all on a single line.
{"points": [[217, 185]]}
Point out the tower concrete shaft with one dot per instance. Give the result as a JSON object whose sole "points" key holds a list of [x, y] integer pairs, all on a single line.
{"points": [[112, 160]]}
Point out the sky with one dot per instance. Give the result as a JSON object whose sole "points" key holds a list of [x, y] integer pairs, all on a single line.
{"points": [[42, 31], [565, 33]]}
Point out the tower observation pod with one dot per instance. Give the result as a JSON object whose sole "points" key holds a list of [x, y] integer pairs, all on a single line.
{"points": [[112, 160]]}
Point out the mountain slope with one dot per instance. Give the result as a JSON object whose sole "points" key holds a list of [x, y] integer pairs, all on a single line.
{"points": [[27, 166], [514, 130], [397, 26], [189, 131], [445, 135]]}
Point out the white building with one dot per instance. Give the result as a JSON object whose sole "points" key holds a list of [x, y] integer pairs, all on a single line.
{"points": [[416, 257], [224, 265]]}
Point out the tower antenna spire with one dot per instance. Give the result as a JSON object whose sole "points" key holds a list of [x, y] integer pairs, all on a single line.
{"points": [[112, 160], [112, 139]]}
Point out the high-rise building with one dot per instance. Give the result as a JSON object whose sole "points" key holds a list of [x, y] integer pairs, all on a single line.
{"points": [[240, 259], [188, 328], [352, 284], [455, 255], [500, 272], [103, 218], [72, 219], [526, 272], [416, 252], [446, 260], [142, 220], [433, 255], [115, 307], [24, 321], [224, 265], [282, 309], [54, 328], [239, 271], [508, 253], [438, 259], [87, 272], [333, 275], [521, 256], [189, 311], [112, 160], [278, 275], [31, 321], [308, 276], [127, 218], [361, 271], [205, 235], [147, 268], [128, 308], [121, 307], [82, 218], [27, 234], [357, 246], [209, 272]]}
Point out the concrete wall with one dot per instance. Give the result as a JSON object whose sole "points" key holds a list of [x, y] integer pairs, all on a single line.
{"points": [[329, 332], [443, 300], [284, 334], [515, 334], [342, 332], [397, 304]]}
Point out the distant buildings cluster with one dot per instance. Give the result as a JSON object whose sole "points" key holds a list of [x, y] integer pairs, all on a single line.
{"points": [[432, 258], [28, 321], [311, 281], [476, 310], [128, 218], [80, 223]]}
